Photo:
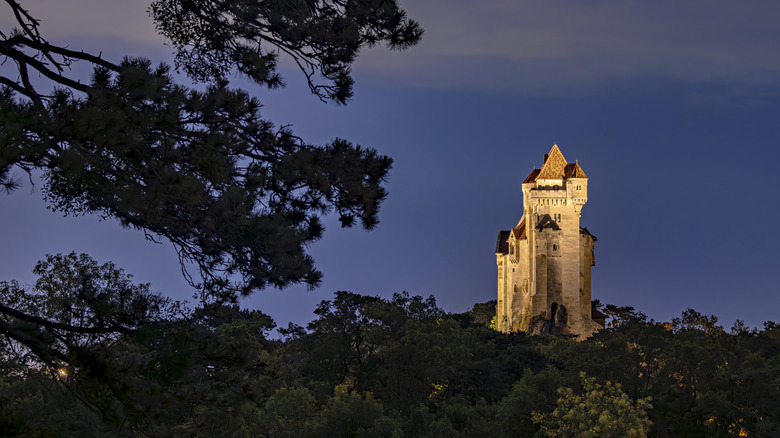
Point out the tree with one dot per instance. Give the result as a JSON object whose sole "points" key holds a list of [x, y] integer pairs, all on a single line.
{"points": [[288, 413], [482, 314], [419, 348], [600, 411], [693, 320], [323, 37], [74, 307], [237, 197], [620, 315], [135, 362], [532, 393], [351, 415], [71, 331], [340, 346]]}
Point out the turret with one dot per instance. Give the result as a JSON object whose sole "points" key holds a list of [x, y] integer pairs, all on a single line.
{"points": [[544, 277]]}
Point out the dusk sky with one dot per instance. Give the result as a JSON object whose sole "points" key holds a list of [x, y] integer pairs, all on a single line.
{"points": [[672, 108]]}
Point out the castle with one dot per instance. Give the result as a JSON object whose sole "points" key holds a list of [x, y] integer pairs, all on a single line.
{"points": [[544, 262]]}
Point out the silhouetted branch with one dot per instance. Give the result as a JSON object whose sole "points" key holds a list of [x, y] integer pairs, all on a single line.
{"points": [[61, 326]]}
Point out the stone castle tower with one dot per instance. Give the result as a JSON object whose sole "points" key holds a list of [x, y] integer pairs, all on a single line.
{"points": [[544, 262]]}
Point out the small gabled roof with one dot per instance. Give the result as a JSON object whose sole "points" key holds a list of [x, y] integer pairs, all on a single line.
{"points": [[546, 221], [573, 170], [531, 176], [502, 243], [518, 232], [596, 313]]}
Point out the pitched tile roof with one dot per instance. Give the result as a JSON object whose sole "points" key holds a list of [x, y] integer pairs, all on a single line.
{"points": [[555, 167], [573, 170], [596, 313], [519, 231], [502, 244], [531, 176], [546, 221]]}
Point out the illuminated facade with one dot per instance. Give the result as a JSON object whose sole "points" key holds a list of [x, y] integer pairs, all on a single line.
{"points": [[544, 263]]}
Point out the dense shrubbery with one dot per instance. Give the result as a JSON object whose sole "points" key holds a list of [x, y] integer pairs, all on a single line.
{"points": [[365, 366]]}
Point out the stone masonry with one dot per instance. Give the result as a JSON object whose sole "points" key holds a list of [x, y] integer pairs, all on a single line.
{"points": [[544, 262]]}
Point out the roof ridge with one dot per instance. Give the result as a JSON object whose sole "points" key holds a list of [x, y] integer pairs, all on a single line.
{"points": [[573, 170], [554, 166]]}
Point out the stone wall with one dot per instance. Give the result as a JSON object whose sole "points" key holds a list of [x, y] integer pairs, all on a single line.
{"points": [[547, 269]]}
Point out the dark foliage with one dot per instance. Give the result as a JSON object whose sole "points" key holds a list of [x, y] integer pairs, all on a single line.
{"points": [[95, 354], [239, 198], [323, 37]]}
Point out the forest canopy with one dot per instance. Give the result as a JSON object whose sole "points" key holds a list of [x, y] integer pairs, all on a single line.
{"points": [[364, 366]]}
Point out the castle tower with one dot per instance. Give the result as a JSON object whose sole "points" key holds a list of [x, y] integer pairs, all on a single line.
{"points": [[544, 262]]}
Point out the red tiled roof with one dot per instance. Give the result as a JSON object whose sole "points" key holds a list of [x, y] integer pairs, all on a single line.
{"points": [[531, 176], [519, 231], [555, 167], [573, 170]]}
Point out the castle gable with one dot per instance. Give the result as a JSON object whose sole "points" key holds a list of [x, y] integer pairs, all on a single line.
{"points": [[532, 176], [518, 232], [554, 165], [573, 170], [545, 222]]}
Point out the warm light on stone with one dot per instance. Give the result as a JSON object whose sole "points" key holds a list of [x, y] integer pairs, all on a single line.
{"points": [[544, 262]]}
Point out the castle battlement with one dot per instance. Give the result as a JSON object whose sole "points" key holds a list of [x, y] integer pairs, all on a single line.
{"points": [[544, 262]]}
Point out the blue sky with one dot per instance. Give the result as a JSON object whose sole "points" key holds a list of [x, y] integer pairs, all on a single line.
{"points": [[671, 108]]}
